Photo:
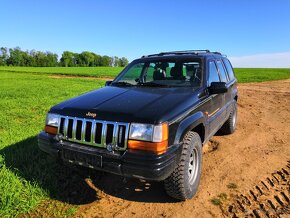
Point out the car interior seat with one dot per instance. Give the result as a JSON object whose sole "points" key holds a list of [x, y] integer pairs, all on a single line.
{"points": [[190, 71], [159, 74], [176, 72], [197, 75]]}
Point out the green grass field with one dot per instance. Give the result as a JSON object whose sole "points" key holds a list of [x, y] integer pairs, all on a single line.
{"points": [[246, 75], [110, 72], [29, 179], [243, 74], [27, 176]]}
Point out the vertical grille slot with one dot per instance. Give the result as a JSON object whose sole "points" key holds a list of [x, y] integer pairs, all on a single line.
{"points": [[61, 126], [69, 128], [109, 135], [121, 135], [98, 136], [79, 130], [88, 132], [94, 132]]}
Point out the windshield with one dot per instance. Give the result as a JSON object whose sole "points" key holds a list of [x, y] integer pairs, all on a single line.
{"points": [[162, 73]]}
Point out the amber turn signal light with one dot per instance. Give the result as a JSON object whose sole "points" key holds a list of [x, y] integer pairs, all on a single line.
{"points": [[155, 147], [50, 129], [164, 131]]}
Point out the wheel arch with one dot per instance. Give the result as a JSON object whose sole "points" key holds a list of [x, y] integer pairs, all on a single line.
{"points": [[194, 122]]}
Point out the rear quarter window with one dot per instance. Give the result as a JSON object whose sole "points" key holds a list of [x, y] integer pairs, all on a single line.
{"points": [[229, 69], [222, 71]]}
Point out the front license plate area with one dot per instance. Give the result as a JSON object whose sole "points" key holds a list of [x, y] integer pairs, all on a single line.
{"points": [[83, 159]]}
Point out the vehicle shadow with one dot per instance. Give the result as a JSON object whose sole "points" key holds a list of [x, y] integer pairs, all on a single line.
{"points": [[133, 189], [75, 185]]}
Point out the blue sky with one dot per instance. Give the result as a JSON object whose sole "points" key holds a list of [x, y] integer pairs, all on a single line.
{"points": [[237, 28]]}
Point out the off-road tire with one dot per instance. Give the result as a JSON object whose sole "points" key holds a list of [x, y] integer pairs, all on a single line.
{"points": [[230, 125], [181, 184]]}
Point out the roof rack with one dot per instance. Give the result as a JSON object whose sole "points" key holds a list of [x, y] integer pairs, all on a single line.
{"points": [[194, 52]]}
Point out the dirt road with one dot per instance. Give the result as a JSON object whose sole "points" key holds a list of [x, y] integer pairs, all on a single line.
{"points": [[233, 167]]}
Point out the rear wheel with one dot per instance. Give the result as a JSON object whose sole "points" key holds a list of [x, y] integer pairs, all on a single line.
{"points": [[230, 125], [183, 183]]}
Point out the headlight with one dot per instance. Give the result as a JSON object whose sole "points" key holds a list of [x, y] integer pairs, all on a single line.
{"points": [[141, 131], [148, 132], [147, 137], [52, 119]]}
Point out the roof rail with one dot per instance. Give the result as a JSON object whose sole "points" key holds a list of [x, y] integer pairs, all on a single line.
{"points": [[216, 52], [188, 51], [195, 52]]}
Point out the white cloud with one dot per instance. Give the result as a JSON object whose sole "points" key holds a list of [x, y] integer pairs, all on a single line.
{"points": [[274, 60]]}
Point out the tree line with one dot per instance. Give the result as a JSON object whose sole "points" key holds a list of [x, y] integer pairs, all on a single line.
{"points": [[32, 58]]}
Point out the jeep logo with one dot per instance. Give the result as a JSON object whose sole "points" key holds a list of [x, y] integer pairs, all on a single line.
{"points": [[89, 114]]}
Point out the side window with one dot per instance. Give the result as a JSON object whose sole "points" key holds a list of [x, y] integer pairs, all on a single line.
{"points": [[229, 69], [222, 71], [213, 73]]}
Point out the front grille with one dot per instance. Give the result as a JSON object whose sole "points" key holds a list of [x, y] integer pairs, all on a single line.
{"points": [[94, 132]]}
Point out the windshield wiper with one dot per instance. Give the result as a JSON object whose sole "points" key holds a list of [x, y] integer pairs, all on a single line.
{"points": [[122, 83], [153, 84]]}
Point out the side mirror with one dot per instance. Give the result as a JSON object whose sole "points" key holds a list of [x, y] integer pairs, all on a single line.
{"points": [[107, 83], [218, 87]]}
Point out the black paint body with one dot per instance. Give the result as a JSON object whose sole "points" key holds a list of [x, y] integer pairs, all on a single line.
{"points": [[184, 108]]}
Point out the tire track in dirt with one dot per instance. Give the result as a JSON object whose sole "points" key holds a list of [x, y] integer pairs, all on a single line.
{"points": [[269, 198]]}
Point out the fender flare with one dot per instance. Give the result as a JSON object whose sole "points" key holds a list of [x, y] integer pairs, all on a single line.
{"points": [[188, 124]]}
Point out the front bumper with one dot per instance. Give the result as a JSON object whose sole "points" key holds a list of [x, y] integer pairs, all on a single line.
{"points": [[138, 164]]}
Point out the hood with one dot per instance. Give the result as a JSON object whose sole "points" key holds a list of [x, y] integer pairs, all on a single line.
{"points": [[128, 104]]}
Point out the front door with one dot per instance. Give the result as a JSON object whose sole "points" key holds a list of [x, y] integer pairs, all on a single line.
{"points": [[215, 113]]}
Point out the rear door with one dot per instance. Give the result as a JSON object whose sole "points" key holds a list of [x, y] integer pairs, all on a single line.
{"points": [[232, 85]]}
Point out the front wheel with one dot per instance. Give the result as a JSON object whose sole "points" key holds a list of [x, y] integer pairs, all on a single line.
{"points": [[183, 183]]}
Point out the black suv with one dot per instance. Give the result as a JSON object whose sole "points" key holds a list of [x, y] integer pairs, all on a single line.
{"points": [[151, 121]]}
